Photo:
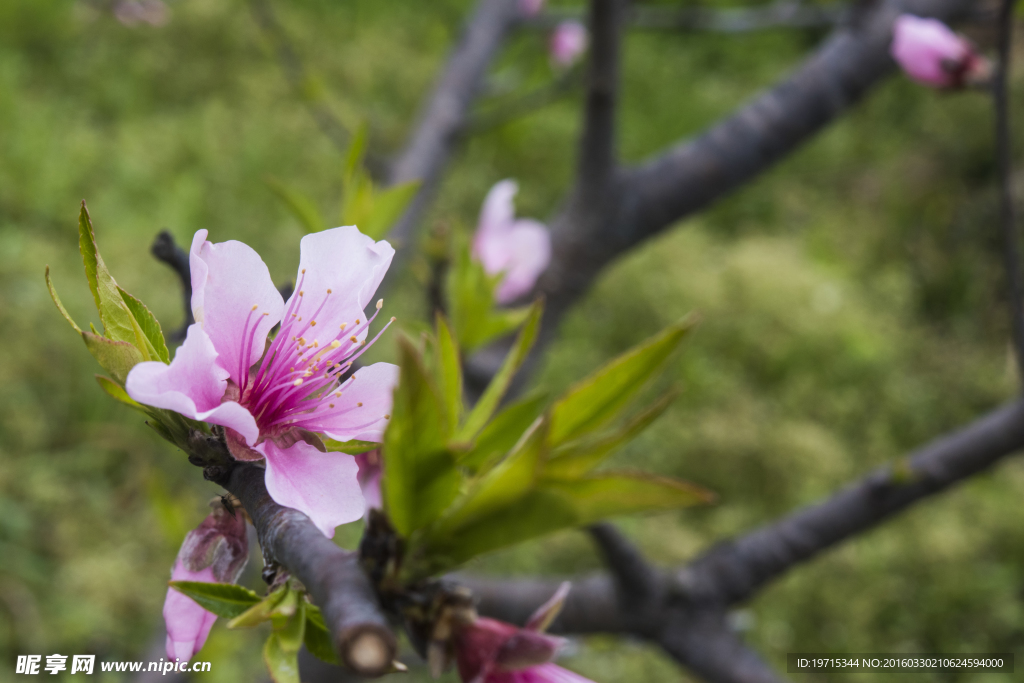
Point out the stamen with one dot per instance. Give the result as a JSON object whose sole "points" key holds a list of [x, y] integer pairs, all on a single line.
{"points": [[360, 403], [254, 307], [343, 326], [380, 304], [335, 344], [386, 416], [297, 382]]}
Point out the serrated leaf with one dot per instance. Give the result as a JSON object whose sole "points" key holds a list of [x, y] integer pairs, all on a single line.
{"points": [[153, 335], [352, 447], [318, 638], [420, 478], [261, 611], [495, 391], [576, 458], [56, 301], [503, 432], [302, 208], [449, 367], [223, 599], [386, 207], [118, 323], [552, 506], [596, 400], [117, 392], [116, 357]]}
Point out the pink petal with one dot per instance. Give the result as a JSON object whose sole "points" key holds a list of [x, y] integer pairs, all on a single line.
{"points": [[547, 673], [369, 478], [546, 613], [193, 385], [528, 245], [350, 265], [924, 48], [498, 210], [188, 624], [323, 486], [530, 7], [373, 387], [228, 280], [568, 42]]}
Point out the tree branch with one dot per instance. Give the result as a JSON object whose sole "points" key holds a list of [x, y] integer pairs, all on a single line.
{"points": [[1004, 151], [333, 576], [447, 110], [596, 157], [166, 250]]}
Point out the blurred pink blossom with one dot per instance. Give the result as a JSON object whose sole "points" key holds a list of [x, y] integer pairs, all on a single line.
{"points": [[519, 248], [214, 552], [530, 7], [133, 12], [568, 42], [369, 478], [491, 651], [932, 54]]}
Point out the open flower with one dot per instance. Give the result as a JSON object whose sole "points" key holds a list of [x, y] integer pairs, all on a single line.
{"points": [[568, 42], [519, 248], [491, 651], [214, 552], [932, 54], [272, 409]]}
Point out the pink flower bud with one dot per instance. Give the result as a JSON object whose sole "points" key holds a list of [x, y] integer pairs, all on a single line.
{"points": [[568, 42], [519, 248], [932, 54], [369, 478], [214, 552]]}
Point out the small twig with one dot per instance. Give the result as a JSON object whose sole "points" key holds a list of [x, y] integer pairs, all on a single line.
{"points": [[596, 160], [166, 249], [637, 582], [1004, 161]]}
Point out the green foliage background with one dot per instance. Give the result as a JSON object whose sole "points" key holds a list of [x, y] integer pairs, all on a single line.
{"points": [[851, 302]]}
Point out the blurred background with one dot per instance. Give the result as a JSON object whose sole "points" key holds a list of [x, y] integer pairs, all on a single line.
{"points": [[852, 307]]}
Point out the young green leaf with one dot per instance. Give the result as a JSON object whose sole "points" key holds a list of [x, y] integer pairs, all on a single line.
{"points": [[301, 207], [578, 457], [118, 323], [117, 392], [150, 328], [596, 400], [503, 432], [223, 599], [353, 447], [58, 304], [318, 638], [495, 391], [386, 208], [260, 612], [116, 357], [420, 478], [449, 367]]}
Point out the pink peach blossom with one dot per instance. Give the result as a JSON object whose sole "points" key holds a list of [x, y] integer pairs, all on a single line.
{"points": [[932, 54], [214, 552], [491, 651], [519, 248], [568, 41], [370, 471], [272, 409], [530, 8]]}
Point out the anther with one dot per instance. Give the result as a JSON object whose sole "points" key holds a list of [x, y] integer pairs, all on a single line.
{"points": [[393, 318], [330, 405], [312, 323], [302, 293], [387, 417], [335, 344], [303, 271], [297, 382], [380, 304], [360, 405], [357, 321], [328, 291], [343, 326], [353, 339], [254, 307]]}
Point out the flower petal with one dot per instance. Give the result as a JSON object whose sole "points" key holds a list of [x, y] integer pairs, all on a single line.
{"points": [[925, 48], [547, 673], [346, 262], [229, 279], [188, 624], [323, 486], [528, 245], [498, 210], [362, 409], [193, 385]]}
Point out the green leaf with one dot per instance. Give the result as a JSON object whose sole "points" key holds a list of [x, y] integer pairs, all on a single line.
{"points": [[387, 207], [117, 392], [301, 207], [595, 401], [223, 599], [420, 478], [508, 481], [282, 664], [503, 432], [356, 151], [352, 447], [56, 301], [318, 638], [116, 357], [152, 334], [118, 323], [491, 398], [471, 303], [449, 366], [261, 611], [281, 651], [578, 457], [555, 505]]}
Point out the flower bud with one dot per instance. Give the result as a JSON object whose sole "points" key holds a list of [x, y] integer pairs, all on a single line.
{"points": [[932, 54]]}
